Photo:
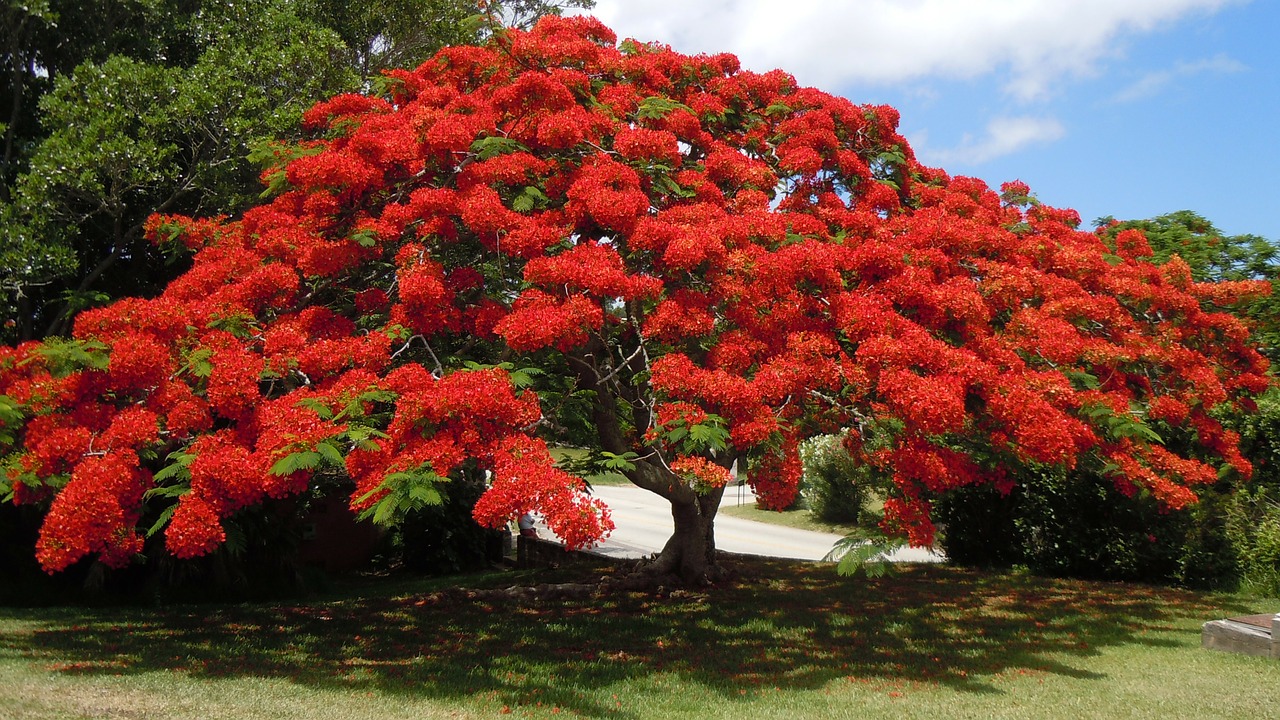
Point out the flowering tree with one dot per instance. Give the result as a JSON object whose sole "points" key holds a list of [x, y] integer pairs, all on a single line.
{"points": [[709, 263]]}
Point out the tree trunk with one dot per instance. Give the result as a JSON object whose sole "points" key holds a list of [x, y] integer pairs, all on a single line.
{"points": [[690, 554]]}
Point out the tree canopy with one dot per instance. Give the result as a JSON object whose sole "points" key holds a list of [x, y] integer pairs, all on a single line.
{"points": [[697, 264]]}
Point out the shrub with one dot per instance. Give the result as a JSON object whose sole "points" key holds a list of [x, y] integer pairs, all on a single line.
{"points": [[444, 539], [977, 527], [1080, 525], [833, 485], [1253, 526]]}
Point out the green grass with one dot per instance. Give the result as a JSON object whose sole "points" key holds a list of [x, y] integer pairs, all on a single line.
{"points": [[799, 518], [784, 640]]}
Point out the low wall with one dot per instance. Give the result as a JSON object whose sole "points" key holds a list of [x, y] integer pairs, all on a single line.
{"points": [[540, 553]]}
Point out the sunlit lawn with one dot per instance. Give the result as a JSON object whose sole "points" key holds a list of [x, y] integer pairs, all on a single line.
{"points": [[784, 640], [801, 518]]}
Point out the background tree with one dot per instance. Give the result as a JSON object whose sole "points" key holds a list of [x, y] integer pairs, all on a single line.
{"points": [[121, 109], [712, 263], [1214, 256], [403, 33], [1241, 516]]}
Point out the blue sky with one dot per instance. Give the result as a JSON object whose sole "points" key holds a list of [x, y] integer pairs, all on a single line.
{"points": [[1129, 108]]}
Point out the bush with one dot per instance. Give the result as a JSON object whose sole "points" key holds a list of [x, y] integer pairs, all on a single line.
{"points": [[977, 529], [834, 486], [1253, 525], [444, 539], [1253, 515], [258, 561], [1058, 524]]}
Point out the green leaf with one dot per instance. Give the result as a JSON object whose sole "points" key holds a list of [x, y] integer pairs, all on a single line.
{"points": [[385, 85], [856, 553], [383, 512], [1120, 426], [1081, 379], [656, 108], [709, 436], [619, 463], [67, 356], [398, 332], [331, 454], [524, 377], [365, 238], [361, 436], [522, 203], [294, 462], [167, 491], [10, 418], [530, 197], [376, 395], [237, 539], [198, 363], [425, 494], [405, 492], [1095, 411], [165, 516], [179, 465], [669, 184], [490, 147], [317, 407], [243, 326], [894, 156]]}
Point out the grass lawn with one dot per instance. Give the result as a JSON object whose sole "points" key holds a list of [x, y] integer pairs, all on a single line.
{"points": [[800, 519], [784, 640]]}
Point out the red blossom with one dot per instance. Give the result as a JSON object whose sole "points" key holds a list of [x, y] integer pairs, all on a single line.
{"points": [[701, 473]]}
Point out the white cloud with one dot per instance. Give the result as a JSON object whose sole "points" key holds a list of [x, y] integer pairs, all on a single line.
{"points": [[1153, 83], [1003, 136], [1033, 44]]}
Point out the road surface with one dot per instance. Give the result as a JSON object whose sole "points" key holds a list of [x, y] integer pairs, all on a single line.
{"points": [[644, 524]]}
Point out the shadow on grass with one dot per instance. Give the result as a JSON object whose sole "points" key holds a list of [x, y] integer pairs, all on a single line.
{"points": [[779, 625]]}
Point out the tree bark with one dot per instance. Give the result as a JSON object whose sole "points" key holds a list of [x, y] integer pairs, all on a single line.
{"points": [[690, 553]]}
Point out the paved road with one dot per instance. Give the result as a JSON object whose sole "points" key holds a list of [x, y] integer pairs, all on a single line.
{"points": [[644, 524]]}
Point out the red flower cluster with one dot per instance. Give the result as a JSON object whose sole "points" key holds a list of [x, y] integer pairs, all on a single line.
{"points": [[775, 475], [701, 473]]}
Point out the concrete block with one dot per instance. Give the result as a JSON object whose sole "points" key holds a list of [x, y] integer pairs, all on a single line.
{"points": [[1238, 637], [1275, 636]]}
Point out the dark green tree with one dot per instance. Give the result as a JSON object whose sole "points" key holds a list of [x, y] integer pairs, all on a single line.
{"points": [[119, 109], [1214, 256], [129, 137]]}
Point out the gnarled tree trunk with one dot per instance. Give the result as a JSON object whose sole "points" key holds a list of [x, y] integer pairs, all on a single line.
{"points": [[690, 553], [622, 416]]}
